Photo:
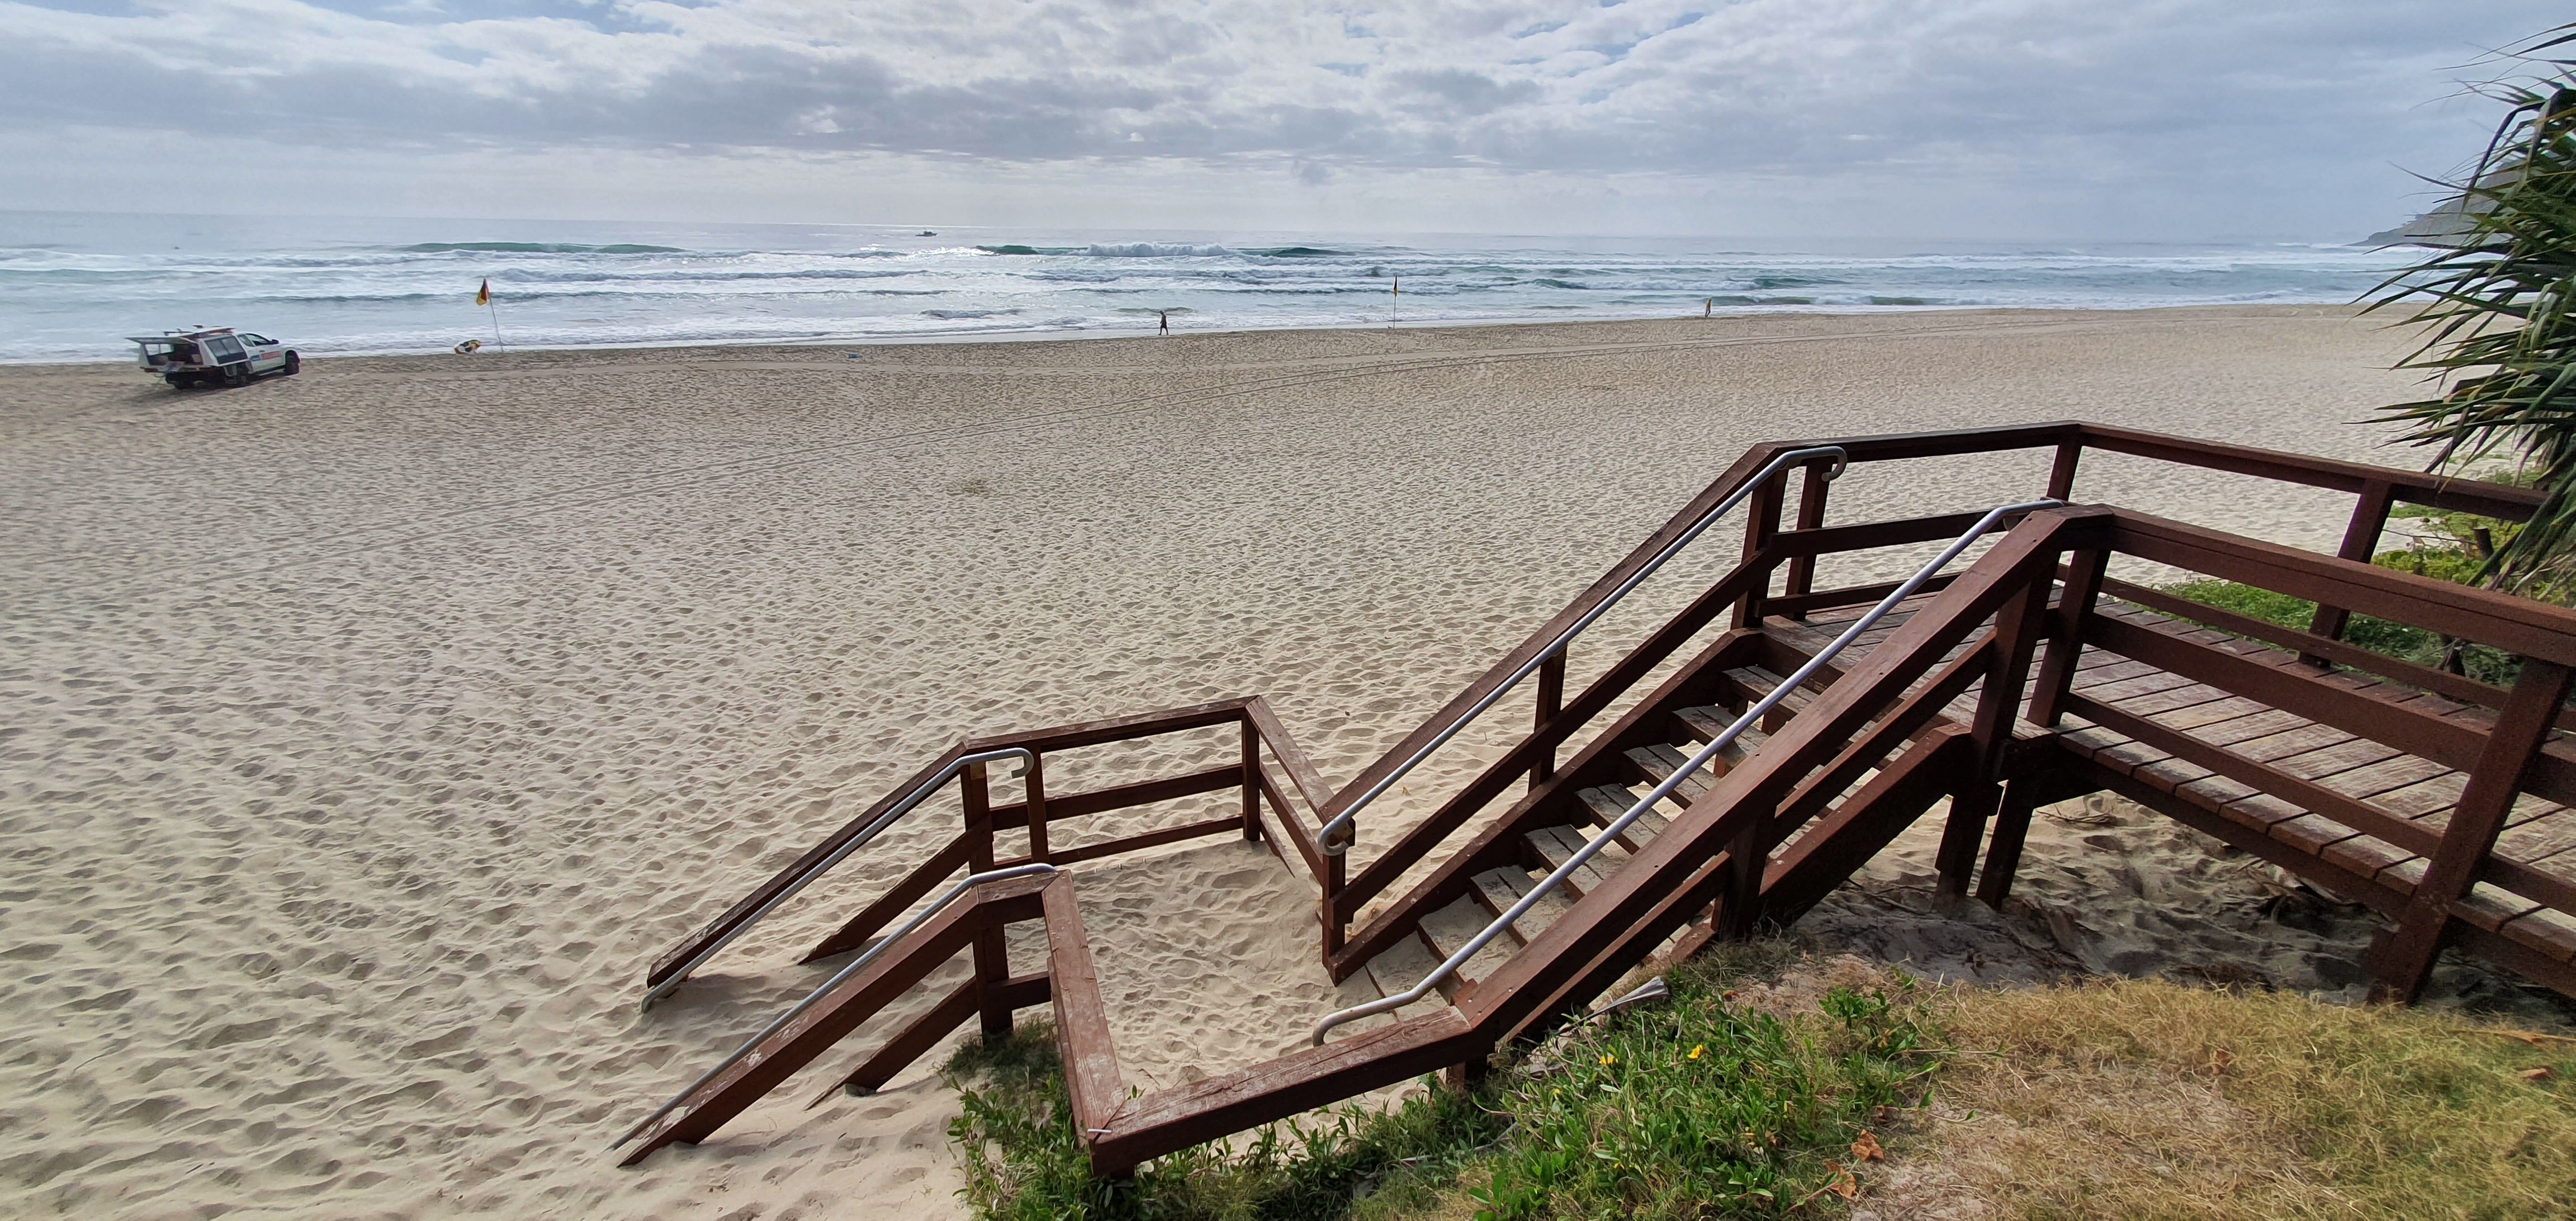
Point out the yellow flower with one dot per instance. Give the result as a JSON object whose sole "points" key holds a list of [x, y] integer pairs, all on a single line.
{"points": [[1607, 1060], [1696, 1049]]}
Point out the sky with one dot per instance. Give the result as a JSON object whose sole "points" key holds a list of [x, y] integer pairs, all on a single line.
{"points": [[1961, 120]]}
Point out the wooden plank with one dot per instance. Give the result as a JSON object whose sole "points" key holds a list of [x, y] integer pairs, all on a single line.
{"points": [[1798, 605], [1881, 741], [1033, 810], [2516, 625], [1121, 797], [2406, 958], [2297, 740], [1114, 729], [2315, 798], [1091, 1077], [1251, 816], [2061, 469], [2019, 628], [1868, 536], [2212, 713], [1150, 839], [1202, 1111], [2065, 657], [2170, 700], [1811, 514], [2338, 652], [2413, 487], [1761, 525], [1549, 701], [1294, 829], [1309, 782], [853, 1002], [2042, 784], [2293, 690], [2372, 782], [1866, 822], [2323, 764], [992, 952], [2360, 542], [925, 1032]]}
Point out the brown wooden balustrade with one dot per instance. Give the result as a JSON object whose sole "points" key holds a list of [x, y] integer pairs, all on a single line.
{"points": [[2029, 676]]}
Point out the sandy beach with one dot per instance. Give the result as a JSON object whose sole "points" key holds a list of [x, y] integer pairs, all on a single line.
{"points": [[371, 730]]}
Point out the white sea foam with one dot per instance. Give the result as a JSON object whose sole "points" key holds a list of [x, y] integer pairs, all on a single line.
{"points": [[71, 286]]}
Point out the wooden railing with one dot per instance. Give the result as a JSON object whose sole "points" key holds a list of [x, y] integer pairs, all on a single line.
{"points": [[2013, 628], [972, 850], [2514, 750], [1772, 544]]}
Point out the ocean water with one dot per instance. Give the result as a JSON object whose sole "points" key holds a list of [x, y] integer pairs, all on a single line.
{"points": [[72, 286]]}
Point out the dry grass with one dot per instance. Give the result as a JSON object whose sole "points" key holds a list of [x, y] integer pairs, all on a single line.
{"points": [[2134, 1098]]}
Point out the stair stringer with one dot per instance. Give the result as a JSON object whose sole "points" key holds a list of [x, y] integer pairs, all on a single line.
{"points": [[907, 963], [1611, 929], [1552, 802]]}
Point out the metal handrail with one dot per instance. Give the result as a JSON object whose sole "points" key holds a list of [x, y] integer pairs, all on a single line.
{"points": [[1672, 782], [1336, 837], [972, 881], [915, 797]]}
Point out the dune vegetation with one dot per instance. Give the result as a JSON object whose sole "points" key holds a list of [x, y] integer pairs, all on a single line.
{"points": [[1781, 1083]]}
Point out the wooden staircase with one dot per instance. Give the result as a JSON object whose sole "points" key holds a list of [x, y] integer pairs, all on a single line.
{"points": [[1975, 693]]}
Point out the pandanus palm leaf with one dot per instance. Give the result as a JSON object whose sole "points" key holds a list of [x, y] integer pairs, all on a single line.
{"points": [[2497, 304]]}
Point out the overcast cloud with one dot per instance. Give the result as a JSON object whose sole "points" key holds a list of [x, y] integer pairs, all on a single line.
{"points": [[1972, 118]]}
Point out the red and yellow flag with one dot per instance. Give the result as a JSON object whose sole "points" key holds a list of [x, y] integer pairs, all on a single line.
{"points": [[483, 295]]}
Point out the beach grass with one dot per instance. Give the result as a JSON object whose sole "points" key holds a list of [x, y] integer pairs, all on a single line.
{"points": [[1700, 1107], [1773, 1081], [2141, 1098]]}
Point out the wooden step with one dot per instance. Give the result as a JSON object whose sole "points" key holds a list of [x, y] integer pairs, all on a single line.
{"points": [[1453, 926], [1652, 764], [1400, 967], [1557, 845], [1498, 889], [1763, 682], [1607, 802], [1704, 724]]}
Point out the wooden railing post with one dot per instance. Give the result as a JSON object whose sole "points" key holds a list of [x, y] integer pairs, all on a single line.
{"points": [[2018, 629], [2066, 636], [1336, 928], [1811, 514], [1251, 781], [2405, 957], [1761, 525], [1037, 808], [2061, 474], [2360, 542], [992, 952], [1551, 700], [2003, 850]]}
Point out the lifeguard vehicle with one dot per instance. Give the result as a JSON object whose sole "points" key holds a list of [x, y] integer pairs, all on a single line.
{"points": [[219, 355]]}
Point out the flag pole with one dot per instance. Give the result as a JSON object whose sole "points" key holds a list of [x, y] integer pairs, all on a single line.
{"points": [[483, 297]]}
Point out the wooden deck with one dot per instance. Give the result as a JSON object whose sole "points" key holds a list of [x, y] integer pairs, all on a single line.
{"points": [[2237, 768]]}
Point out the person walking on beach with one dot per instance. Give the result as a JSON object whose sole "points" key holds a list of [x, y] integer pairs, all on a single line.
{"points": [[1166, 316]]}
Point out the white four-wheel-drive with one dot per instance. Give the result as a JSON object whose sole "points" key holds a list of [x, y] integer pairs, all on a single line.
{"points": [[224, 355]]}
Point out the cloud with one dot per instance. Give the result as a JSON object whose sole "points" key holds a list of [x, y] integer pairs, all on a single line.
{"points": [[2282, 99]]}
